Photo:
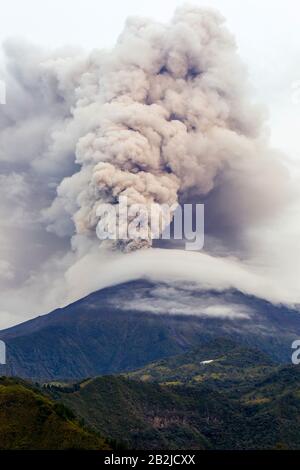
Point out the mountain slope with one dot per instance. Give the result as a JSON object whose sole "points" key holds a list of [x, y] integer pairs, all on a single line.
{"points": [[220, 364], [231, 407], [241, 400], [30, 420], [105, 333], [148, 416]]}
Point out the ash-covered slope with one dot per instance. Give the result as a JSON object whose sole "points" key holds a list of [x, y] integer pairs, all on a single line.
{"points": [[123, 327]]}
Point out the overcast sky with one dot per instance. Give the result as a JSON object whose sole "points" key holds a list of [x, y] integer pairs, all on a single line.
{"points": [[267, 33], [268, 38]]}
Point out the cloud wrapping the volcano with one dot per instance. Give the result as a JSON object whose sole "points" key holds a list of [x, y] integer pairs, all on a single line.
{"points": [[164, 117]]}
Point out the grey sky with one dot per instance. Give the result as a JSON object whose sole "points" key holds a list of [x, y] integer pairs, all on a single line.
{"points": [[267, 33], [268, 38]]}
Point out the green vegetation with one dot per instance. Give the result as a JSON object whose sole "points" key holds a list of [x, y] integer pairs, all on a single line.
{"points": [[140, 415], [96, 336], [30, 420], [217, 396], [231, 368], [241, 400]]}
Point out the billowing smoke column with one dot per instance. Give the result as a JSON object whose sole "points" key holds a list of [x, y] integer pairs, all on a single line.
{"points": [[161, 118]]}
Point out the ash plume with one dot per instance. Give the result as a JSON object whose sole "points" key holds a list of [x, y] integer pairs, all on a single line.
{"points": [[164, 117]]}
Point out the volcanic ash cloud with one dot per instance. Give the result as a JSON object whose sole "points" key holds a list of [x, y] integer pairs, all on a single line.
{"points": [[162, 118]]}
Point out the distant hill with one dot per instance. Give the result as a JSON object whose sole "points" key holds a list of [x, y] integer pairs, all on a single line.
{"points": [[181, 403], [218, 396], [220, 364], [148, 416], [104, 334], [30, 420]]}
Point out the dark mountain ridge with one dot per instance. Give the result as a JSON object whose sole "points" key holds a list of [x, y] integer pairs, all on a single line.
{"points": [[102, 334], [240, 399]]}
